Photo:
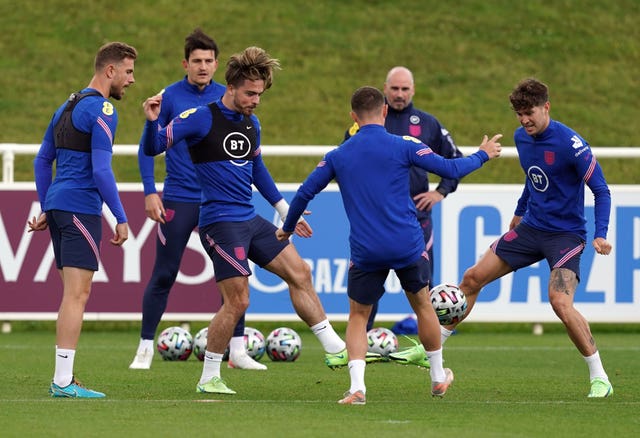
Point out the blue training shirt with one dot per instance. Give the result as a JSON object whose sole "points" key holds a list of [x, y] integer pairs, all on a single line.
{"points": [[426, 128], [181, 183], [372, 171], [226, 184], [557, 164], [83, 181]]}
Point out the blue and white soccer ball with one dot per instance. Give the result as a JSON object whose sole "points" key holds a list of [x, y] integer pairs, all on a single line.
{"points": [[449, 303], [283, 345], [175, 343], [200, 343], [382, 341], [254, 342]]}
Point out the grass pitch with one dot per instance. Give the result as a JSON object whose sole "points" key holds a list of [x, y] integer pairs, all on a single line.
{"points": [[508, 383]]}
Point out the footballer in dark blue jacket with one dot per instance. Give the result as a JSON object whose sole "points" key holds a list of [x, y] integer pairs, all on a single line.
{"points": [[178, 211], [223, 139], [79, 140], [372, 170], [549, 221], [405, 119]]}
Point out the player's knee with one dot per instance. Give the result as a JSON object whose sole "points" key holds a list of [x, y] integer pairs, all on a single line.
{"points": [[301, 274], [561, 306], [237, 304], [242, 304], [471, 282]]}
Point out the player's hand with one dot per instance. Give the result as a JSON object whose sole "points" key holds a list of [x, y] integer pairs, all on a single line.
{"points": [[152, 107], [515, 221], [602, 246], [121, 234], [303, 229], [426, 200], [282, 235], [491, 147], [154, 208], [38, 224]]}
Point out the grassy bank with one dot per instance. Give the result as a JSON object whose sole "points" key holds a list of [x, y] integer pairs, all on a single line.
{"points": [[466, 58]]}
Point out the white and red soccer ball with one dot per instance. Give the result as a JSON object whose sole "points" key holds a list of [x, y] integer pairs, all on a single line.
{"points": [[382, 341], [283, 345], [175, 343], [449, 303]]}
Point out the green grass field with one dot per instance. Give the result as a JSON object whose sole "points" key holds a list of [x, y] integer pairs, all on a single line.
{"points": [[509, 383], [466, 57]]}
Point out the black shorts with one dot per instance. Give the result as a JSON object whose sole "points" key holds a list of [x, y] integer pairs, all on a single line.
{"points": [[524, 246], [76, 239], [367, 287], [231, 245]]}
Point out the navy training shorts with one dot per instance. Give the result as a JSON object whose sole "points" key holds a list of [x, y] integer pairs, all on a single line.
{"points": [[367, 287], [231, 245], [525, 245], [76, 239]]}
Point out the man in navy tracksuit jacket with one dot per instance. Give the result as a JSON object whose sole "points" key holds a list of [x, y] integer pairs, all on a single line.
{"points": [[405, 119]]}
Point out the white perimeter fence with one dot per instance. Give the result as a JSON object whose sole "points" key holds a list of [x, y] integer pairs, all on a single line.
{"points": [[10, 150], [614, 280]]}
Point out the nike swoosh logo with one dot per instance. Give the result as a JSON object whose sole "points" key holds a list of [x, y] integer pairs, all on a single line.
{"points": [[64, 357], [249, 127]]}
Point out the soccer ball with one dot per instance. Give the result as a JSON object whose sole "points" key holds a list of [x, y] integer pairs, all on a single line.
{"points": [[449, 303], [254, 343], [200, 343], [175, 343], [283, 345], [382, 341]]}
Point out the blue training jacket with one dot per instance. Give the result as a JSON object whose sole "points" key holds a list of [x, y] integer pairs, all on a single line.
{"points": [[372, 171], [226, 184], [180, 183], [83, 181], [557, 164]]}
